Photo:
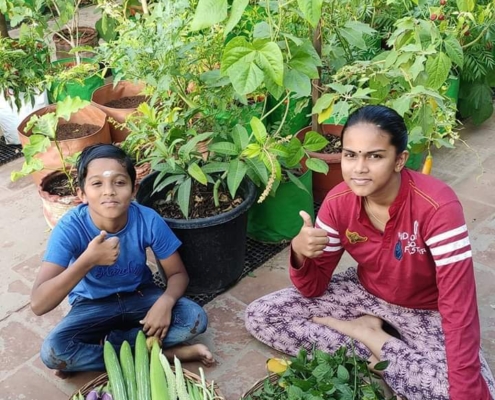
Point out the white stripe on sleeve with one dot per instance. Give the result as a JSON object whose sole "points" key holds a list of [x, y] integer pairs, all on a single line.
{"points": [[453, 259], [450, 247], [446, 235], [326, 227], [332, 248]]}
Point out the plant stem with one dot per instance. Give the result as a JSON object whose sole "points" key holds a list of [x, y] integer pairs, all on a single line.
{"points": [[274, 108], [144, 4], [215, 189]]}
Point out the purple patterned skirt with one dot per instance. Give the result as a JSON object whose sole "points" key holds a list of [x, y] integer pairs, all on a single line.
{"points": [[417, 368]]}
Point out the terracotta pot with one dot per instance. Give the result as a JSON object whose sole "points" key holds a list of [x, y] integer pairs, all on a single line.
{"points": [[322, 183], [142, 171], [88, 37], [109, 93], [55, 206], [51, 159]]}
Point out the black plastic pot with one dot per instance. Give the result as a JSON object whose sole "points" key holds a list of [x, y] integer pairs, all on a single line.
{"points": [[213, 249]]}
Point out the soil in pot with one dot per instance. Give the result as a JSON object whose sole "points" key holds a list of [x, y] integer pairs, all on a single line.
{"points": [[202, 203], [333, 147], [126, 102], [72, 130], [59, 186]]}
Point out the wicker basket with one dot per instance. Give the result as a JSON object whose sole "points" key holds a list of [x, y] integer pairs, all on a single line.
{"points": [[259, 385], [103, 379]]}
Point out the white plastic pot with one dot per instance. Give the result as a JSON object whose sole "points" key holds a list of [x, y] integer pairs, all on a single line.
{"points": [[10, 117]]}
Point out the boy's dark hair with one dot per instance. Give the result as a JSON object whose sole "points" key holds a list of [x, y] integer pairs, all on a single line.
{"points": [[100, 150], [384, 118]]}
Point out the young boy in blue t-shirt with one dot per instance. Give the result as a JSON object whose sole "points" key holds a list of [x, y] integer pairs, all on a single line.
{"points": [[96, 255]]}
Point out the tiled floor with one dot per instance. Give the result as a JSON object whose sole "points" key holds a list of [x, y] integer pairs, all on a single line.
{"points": [[241, 359]]}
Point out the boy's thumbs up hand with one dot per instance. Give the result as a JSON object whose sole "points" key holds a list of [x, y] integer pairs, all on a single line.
{"points": [[104, 251], [310, 241]]}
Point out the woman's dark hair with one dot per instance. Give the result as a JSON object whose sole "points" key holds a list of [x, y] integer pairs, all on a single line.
{"points": [[97, 151], [385, 118]]}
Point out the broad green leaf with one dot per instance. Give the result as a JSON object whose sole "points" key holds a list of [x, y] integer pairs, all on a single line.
{"points": [[275, 90], [298, 83], [208, 13], [261, 30], [466, 5], [252, 150], [240, 136], [69, 106], [324, 102], [305, 59], [454, 50], [313, 141], [294, 179], [235, 50], [237, 171], [197, 173], [236, 11], [184, 196], [401, 105], [438, 70], [279, 150], [259, 130], [271, 60], [311, 10], [258, 168], [193, 143], [353, 37], [417, 67], [226, 148], [34, 165], [246, 77], [317, 165], [46, 125], [37, 144], [295, 153]]}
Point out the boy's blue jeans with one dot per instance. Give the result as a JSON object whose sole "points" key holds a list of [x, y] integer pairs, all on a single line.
{"points": [[76, 343]]}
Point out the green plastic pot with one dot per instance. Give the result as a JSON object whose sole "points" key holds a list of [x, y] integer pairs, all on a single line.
{"points": [[84, 90], [277, 219]]}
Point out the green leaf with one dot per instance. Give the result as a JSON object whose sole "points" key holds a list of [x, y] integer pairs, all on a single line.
{"points": [[454, 50], [197, 173], [271, 60], [240, 136], [261, 30], [259, 130], [69, 106], [466, 5], [311, 10], [246, 77], [237, 171], [162, 184], [317, 165], [226, 148], [235, 50], [184, 196], [324, 102], [401, 105], [295, 153], [192, 144], [236, 11], [342, 373], [294, 179], [298, 83], [438, 70], [208, 13], [259, 169], [313, 141], [214, 167], [418, 66], [381, 366]]}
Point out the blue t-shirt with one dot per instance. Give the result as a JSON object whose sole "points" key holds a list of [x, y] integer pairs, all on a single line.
{"points": [[145, 228]]}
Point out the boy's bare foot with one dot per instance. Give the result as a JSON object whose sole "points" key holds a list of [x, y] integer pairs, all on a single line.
{"points": [[193, 352], [358, 328], [62, 374]]}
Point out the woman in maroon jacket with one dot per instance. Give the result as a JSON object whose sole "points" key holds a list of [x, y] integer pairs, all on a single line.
{"points": [[412, 299]]}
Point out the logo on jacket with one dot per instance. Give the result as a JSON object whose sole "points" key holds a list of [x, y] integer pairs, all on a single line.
{"points": [[355, 237], [411, 241]]}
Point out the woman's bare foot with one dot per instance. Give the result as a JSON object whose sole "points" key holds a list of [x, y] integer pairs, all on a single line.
{"points": [[357, 329], [366, 329], [193, 352]]}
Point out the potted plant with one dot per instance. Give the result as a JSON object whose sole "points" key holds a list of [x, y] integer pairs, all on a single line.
{"points": [[22, 90], [51, 135]]}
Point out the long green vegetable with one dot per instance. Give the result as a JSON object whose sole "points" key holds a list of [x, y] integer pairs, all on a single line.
{"points": [[170, 376], [142, 367], [128, 371], [114, 372], [159, 390]]}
